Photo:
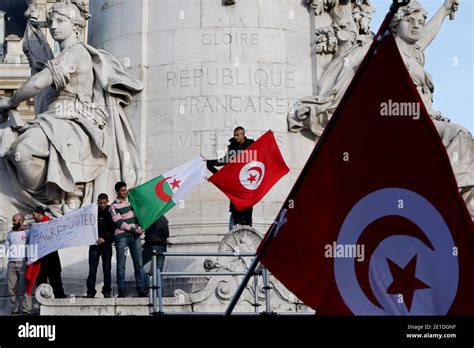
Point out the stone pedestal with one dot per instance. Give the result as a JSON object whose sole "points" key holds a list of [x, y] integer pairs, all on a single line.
{"points": [[14, 54]]}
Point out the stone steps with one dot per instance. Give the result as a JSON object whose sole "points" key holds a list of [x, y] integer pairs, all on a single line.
{"points": [[77, 290]]}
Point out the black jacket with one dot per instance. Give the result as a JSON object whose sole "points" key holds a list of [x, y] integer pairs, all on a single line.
{"points": [[233, 149], [105, 225], [157, 233]]}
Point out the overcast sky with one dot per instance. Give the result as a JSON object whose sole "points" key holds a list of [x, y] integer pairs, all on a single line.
{"points": [[454, 85]]}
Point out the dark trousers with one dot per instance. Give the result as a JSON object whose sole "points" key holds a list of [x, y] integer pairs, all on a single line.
{"points": [[95, 252], [50, 272], [147, 254], [243, 217]]}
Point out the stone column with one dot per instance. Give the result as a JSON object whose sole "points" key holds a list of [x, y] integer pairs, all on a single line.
{"points": [[207, 69], [2, 34], [14, 53]]}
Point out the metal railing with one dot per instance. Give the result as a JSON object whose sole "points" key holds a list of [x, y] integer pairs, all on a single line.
{"points": [[156, 279]]}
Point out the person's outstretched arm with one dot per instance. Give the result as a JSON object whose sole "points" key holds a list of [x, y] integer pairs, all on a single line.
{"points": [[34, 86], [211, 164], [433, 27]]}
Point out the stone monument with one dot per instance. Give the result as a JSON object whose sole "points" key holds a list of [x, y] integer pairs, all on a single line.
{"points": [[207, 68]]}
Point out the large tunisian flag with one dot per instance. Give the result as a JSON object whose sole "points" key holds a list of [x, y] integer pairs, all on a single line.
{"points": [[376, 225], [252, 173]]}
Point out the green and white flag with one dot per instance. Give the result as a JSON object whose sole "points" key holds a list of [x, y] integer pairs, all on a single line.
{"points": [[155, 197]]}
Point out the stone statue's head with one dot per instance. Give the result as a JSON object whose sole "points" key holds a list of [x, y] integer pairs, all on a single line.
{"points": [[72, 11], [413, 9]]}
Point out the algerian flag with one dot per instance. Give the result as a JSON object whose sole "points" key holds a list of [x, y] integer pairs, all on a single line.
{"points": [[155, 197]]}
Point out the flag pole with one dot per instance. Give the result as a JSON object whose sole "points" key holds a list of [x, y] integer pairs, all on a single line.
{"points": [[273, 229], [250, 271]]}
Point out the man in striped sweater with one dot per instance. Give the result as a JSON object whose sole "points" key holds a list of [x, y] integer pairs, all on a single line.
{"points": [[127, 234]]}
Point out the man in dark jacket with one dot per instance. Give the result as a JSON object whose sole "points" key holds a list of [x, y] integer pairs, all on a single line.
{"points": [[50, 264], [156, 237], [106, 231], [237, 144]]}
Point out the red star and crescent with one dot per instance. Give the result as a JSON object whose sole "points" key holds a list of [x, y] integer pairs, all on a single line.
{"points": [[175, 183], [372, 237], [160, 191], [405, 281], [252, 178]]}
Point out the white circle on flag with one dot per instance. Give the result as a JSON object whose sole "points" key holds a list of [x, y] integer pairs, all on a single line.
{"points": [[251, 175], [437, 266]]}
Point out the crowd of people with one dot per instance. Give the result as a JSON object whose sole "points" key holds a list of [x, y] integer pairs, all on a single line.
{"points": [[117, 224]]}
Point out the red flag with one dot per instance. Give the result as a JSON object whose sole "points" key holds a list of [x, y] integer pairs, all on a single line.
{"points": [[376, 225], [251, 174], [32, 271]]}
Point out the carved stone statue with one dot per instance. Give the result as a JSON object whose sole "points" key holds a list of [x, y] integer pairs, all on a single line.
{"points": [[348, 38], [412, 36], [81, 142]]}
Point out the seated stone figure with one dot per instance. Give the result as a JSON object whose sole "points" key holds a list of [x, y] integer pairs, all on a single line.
{"points": [[82, 143], [351, 26]]}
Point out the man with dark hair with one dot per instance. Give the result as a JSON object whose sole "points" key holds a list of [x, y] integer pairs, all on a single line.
{"points": [[103, 249], [237, 144], [16, 245], [50, 264], [127, 234]]}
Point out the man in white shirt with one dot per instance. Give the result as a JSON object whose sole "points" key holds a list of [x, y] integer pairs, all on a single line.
{"points": [[16, 246]]}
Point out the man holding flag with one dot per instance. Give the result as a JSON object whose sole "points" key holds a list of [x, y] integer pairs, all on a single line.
{"points": [[49, 265], [127, 234], [78, 227], [237, 145], [249, 174]]}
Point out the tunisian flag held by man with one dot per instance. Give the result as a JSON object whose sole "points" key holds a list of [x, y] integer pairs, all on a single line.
{"points": [[33, 269], [376, 225], [252, 173]]}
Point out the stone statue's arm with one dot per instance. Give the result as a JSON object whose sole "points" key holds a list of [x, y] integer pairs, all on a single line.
{"points": [[434, 25], [34, 86]]}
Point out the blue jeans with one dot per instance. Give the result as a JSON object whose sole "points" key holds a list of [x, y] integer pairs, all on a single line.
{"points": [[134, 245]]}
